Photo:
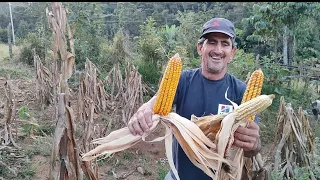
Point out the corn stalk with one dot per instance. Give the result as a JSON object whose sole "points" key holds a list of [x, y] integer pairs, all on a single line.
{"points": [[295, 142], [92, 99], [65, 162], [126, 94], [44, 82], [6, 134]]}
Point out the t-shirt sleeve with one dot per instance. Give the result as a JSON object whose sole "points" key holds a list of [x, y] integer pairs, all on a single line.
{"points": [[241, 89]]}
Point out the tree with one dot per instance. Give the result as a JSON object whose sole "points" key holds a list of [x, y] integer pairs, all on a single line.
{"points": [[86, 23], [152, 55], [129, 17], [189, 31], [279, 19], [23, 29]]}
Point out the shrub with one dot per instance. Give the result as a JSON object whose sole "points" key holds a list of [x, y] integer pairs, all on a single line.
{"points": [[4, 35], [31, 42]]}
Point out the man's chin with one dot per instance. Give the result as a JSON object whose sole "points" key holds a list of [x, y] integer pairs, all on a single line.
{"points": [[214, 71]]}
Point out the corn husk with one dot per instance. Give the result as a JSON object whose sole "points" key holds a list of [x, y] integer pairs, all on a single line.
{"points": [[220, 156]]}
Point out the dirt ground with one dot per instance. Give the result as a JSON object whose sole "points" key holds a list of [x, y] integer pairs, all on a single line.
{"points": [[145, 160]]}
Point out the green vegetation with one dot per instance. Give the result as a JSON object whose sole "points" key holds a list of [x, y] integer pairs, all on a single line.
{"points": [[162, 172], [41, 146], [4, 51], [147, 34]]}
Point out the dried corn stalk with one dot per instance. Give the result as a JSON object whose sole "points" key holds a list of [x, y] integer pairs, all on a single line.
{"points": [[6, 134], [125, 94], [91, 99], [65, 149], [294, 140], [132, 98], [307, 132], [44, 83], [67, 166], [61, 30]]}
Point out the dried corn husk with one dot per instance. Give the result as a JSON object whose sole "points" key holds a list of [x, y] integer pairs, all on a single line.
{"points": [[198, 147], [202, 152]]}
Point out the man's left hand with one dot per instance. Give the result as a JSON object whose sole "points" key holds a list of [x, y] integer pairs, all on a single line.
{"points": [[248, 137]]}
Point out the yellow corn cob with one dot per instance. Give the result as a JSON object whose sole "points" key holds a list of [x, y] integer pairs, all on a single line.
{"points": [[254, 87], [210, 124], [253, 106], [168, 86]]}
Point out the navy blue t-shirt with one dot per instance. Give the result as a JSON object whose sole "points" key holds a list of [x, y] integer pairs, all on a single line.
{"points": [[200, 96]]}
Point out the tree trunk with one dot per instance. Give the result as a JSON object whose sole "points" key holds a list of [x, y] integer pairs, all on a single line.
{"points": [[276, 43], [9, 41], [285, 45], [290, 50]]}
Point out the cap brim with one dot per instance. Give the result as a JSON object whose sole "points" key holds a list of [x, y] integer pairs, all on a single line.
{"points": [[211, 31]]}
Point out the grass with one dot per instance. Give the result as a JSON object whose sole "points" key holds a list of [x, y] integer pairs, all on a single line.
{"points": [[162, 171], [15, 70], [12, 67], [4, 51], [41, 146]]}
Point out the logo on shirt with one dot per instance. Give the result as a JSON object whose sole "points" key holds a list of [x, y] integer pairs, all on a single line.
{"points": [[222, 108]]}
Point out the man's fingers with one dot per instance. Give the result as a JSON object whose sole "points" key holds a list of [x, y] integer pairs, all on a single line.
{"points": [[134, 125], [247, 131], [137, 128], [142, 121], [244, 137], [131, 126], [252, 125], [148, 116], [247, 137], [247, 146]]}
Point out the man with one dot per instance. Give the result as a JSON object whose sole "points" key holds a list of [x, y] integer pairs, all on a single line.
{"points": [[201, 92]]}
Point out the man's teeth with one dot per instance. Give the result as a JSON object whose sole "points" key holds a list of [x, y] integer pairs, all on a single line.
{"points": [[215, 57]]}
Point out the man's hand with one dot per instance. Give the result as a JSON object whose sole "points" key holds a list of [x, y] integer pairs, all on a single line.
{"points": [[141, 121], [248, 138]]}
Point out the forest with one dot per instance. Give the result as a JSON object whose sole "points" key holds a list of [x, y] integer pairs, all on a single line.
{"points": [[113, 38]]}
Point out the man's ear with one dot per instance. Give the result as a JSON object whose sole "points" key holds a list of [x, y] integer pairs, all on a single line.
{"points": [[199, 47], [233, 52]]}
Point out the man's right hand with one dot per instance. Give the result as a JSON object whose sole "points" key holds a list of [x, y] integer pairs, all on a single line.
{"points": [[141, 121]]}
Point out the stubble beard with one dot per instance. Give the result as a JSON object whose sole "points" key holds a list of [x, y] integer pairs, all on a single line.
{"points": [[213, 70]]}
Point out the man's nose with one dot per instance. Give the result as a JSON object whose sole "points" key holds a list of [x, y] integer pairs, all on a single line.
{"points": [[218, 49]]}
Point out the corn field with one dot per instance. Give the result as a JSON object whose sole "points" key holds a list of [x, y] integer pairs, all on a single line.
{"points": [[79, 135]]}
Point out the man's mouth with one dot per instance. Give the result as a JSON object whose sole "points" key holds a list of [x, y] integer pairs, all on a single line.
{"points": [[215, 59]]}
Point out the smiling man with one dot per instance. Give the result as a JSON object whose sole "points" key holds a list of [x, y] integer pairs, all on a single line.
{"points": [[201, 92]]}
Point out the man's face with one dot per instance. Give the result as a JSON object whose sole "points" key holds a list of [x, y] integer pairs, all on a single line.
{"points": [[216, 52]]}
